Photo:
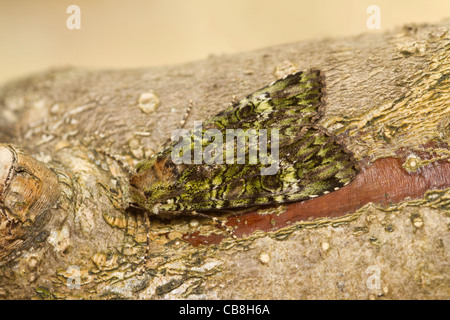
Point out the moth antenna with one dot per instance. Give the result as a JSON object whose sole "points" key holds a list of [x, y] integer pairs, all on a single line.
{"points": [[119, 159], [219, 223], [186, 115], [228, 229], [147, 247], [234, 100], [181, 124]]}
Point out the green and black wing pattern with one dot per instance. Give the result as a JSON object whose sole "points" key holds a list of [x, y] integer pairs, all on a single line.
{"points": [[311, 161]]}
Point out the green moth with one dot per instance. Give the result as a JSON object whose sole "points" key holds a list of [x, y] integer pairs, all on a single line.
{"points": [[264, 149]]}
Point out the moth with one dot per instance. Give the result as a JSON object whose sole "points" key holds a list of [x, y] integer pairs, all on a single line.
{"points": [[305, 161]]}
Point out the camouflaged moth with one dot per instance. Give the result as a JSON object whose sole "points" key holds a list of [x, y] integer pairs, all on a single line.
{"points": [[310, 161]]}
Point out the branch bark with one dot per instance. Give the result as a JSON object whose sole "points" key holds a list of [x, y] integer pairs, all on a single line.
{"points": [[65, 232]]}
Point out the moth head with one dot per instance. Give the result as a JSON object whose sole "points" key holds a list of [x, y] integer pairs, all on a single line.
{"points": [[151, 181]]}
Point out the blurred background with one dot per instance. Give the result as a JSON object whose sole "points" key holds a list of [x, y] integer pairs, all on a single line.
{"points": [[140, 33]]}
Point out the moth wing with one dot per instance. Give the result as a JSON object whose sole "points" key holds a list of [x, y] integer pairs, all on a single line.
{"points": [[312, 164], [298, 98]]}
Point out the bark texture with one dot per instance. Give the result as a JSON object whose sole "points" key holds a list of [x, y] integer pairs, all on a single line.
{"points": [[71, 137]]}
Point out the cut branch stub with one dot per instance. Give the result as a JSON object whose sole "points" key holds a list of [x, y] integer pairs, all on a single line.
{"points": [[27, 190]]}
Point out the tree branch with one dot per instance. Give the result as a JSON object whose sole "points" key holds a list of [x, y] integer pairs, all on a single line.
{"points": [[65, 231]]}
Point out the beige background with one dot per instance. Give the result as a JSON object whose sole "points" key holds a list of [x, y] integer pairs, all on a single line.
{"points": [[124, 34]]}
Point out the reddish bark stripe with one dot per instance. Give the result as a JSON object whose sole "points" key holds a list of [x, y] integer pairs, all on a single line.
{"points": [[384, 182]]}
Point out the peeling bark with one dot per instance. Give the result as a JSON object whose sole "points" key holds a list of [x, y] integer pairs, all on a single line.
{"points": [[65, 231]]}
